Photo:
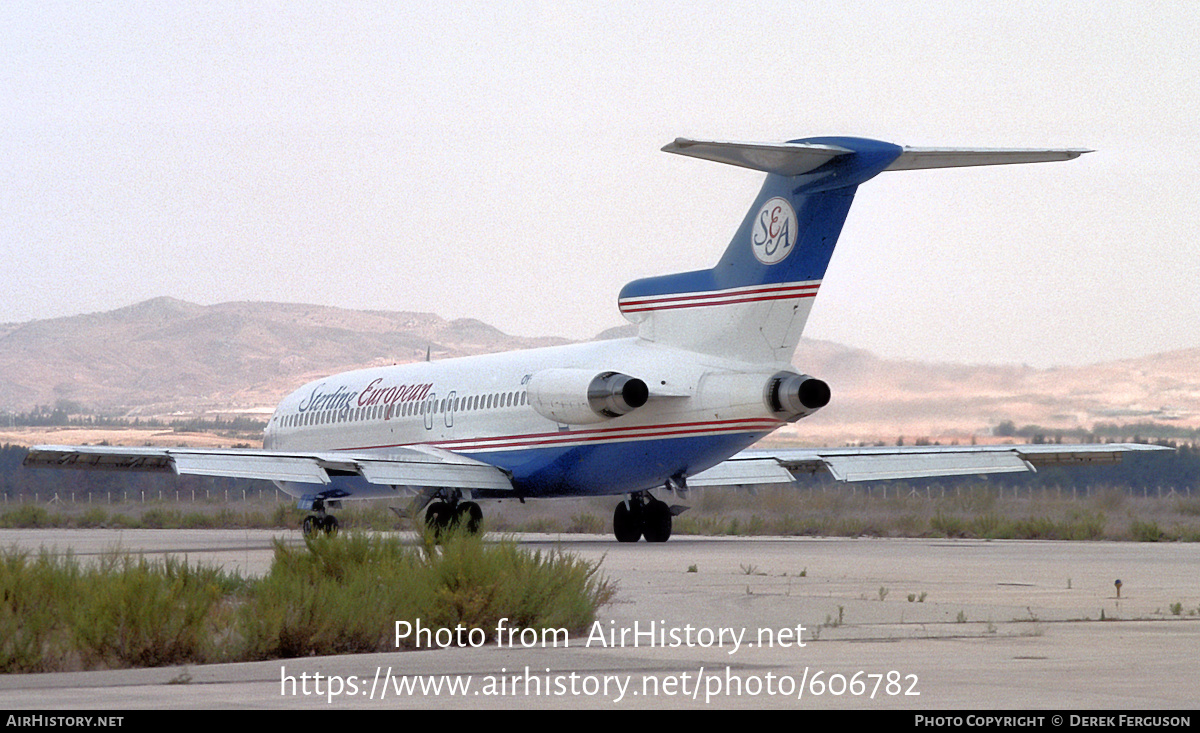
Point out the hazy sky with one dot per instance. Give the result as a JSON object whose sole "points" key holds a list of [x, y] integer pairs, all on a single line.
{"points": [[501, 161]]}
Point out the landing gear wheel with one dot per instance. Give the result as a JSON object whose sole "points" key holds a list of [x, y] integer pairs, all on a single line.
{"points": [[330, 525], [438, 516], [469, 516], [315, 524], [627, 522], [656, 521]]}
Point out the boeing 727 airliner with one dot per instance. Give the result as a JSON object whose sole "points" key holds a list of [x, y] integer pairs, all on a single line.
{"points": [[708, 375]]}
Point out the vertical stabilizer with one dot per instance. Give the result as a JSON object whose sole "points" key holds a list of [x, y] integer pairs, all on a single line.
{"points": [[754, 303]]}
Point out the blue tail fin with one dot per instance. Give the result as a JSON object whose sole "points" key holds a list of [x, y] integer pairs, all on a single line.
{"points": [[754, 303]]}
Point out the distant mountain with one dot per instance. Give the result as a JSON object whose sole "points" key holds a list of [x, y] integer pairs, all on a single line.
{"points": [[167, 355], [895, 398]]}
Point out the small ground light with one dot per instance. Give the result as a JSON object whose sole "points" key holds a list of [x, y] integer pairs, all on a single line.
{"points": [[1118, 586]]}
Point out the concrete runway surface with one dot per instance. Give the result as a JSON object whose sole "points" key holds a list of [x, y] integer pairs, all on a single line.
{"points": [[887, 623]]}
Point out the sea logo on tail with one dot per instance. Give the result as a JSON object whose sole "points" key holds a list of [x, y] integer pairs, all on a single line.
{"points": [[775, 231]]}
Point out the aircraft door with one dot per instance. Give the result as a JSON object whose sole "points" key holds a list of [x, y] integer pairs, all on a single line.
{"points": [[430, 406], [450, 408]]}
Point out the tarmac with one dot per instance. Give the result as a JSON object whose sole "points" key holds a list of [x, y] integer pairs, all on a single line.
{"points": [[719, 623]]}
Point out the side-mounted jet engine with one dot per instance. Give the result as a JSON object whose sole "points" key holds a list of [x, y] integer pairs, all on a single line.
{"points": [[582, 396]]}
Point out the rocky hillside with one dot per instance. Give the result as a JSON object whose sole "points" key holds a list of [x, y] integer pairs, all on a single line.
{"points": [[893, 398], [165, 355]]}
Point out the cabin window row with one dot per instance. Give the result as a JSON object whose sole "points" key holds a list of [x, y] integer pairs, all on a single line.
{"points": [[490, 401]]}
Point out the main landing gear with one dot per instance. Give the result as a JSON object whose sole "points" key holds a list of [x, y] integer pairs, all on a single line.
{"points": [[320, 522], [448, 512], [642, 516]]}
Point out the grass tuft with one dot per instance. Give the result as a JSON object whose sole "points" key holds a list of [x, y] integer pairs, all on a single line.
{"points": [[1147, 531], [332, 595]]}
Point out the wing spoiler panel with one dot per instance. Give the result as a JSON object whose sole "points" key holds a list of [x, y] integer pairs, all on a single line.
{"points": [[757, 466], [413, 467]]}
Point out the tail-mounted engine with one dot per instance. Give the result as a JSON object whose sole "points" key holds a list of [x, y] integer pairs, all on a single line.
{"points": [[580, 396], [792, 396]]}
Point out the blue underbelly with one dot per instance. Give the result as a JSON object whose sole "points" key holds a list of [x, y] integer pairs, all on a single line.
{"points": [[612, 468], [598, 469]]}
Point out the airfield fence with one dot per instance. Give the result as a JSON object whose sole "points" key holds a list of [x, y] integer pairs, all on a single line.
{"points": [[876, 491]]}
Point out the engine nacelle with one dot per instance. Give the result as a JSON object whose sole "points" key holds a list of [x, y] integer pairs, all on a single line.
{"points": [[580, 396], [792, 396]]}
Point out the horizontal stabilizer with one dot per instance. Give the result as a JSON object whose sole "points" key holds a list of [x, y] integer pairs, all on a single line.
{"points": [[796, 158], [913, 159], [787, 159]]}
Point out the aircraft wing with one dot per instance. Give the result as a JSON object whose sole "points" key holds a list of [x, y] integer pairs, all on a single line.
{"points": [[416, 468], [877, 463]]}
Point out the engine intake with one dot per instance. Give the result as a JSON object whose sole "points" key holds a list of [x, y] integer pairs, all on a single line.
{"points": [[793, 396], [580, 396]]}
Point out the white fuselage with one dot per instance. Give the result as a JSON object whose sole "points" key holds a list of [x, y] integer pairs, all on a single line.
{"points": [[701, 410]]}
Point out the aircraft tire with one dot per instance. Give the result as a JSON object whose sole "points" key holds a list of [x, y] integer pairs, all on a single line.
{"points": [[470, 516], [627, 523], [330, 525], [438, 516], [656, 521]]}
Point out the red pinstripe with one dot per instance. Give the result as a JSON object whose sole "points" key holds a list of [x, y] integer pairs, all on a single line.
{"points": [[714, 427], [637, 305]]}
